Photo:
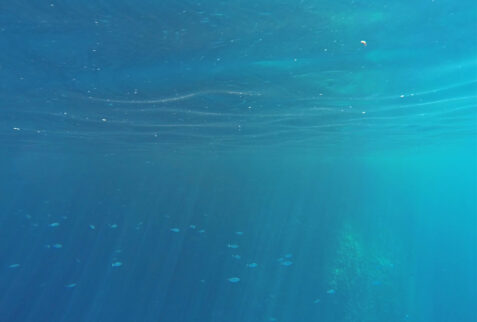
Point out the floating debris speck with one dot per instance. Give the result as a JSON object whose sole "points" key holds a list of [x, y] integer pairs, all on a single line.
{"points": [[14, 266], [117, 264], [234, 279], [175, 230], [55, 224], [252, 265]]}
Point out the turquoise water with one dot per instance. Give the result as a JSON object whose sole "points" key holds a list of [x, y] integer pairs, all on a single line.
{"points": [[238, 161]]}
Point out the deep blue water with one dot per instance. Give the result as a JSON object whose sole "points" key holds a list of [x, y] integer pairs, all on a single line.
{"points": [[238, 161]]}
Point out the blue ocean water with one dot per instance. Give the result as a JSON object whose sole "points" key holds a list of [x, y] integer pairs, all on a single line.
{"points": [[238, 161]]}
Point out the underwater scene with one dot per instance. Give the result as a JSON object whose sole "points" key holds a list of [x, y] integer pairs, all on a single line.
{"points": [[229, 161]]}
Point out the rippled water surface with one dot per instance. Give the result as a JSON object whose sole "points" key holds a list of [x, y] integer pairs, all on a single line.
{"points": [[243, 74]]}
